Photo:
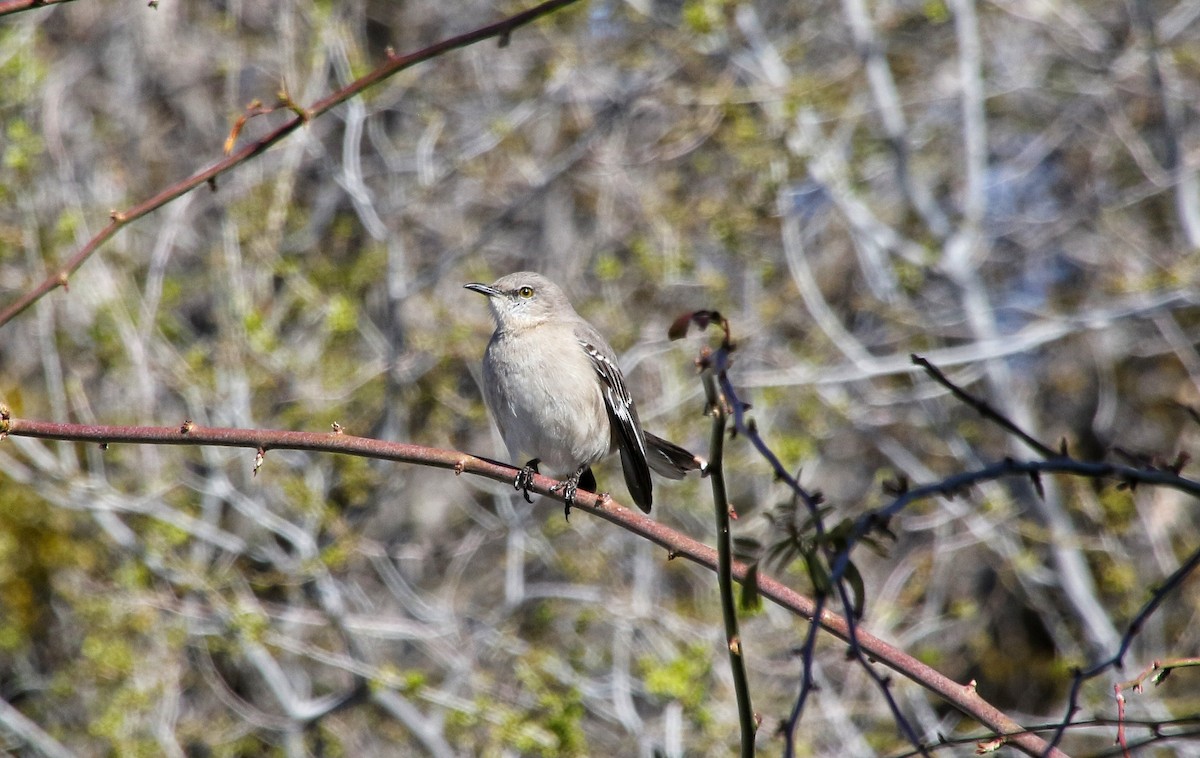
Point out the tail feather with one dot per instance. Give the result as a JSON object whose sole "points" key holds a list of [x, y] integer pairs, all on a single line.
{"points": [[670, 460]]}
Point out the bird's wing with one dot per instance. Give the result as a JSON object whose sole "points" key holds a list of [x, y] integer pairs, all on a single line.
{"points": [[624, 419]]}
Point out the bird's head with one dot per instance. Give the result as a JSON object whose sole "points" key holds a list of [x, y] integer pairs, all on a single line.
{"points": [[522, 300]]}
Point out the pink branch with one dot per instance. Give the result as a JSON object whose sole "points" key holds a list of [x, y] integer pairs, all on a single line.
{"points": [[395, 63], [678, 545]]}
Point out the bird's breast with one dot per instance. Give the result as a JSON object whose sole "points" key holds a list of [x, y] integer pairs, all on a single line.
{"points": [[547, 403]]}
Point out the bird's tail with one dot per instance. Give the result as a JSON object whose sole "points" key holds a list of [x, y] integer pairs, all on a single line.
{"points": [[670, 460]]}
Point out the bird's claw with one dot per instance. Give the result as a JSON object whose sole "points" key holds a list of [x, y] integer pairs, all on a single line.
{"points": [[524, 478], [568, 488]]}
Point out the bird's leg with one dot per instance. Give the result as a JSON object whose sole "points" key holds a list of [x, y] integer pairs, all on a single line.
{"points": [[588, 480], [571, 484], [524, 478]]}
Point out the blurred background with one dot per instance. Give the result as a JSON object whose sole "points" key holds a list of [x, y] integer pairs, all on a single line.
{"points": [[1009, 189]]}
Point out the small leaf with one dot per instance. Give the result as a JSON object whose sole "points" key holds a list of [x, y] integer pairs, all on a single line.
{"points": [[855, 580], [679, 327], [816, 573]]}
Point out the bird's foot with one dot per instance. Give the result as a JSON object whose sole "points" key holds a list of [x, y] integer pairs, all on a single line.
{"points": [[524, 478], [571, 485], [568, 488]]}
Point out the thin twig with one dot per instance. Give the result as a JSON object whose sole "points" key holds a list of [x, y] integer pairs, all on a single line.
{"points": [[718, 407], [118, 219], [984, 408]]}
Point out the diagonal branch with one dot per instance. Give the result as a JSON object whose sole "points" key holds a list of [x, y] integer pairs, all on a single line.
{"points": [[16, 6], [985, 409], [678, 545], [395, 63]]}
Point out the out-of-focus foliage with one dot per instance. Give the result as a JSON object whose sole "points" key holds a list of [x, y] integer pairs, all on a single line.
{"points": [[1008, 188]]}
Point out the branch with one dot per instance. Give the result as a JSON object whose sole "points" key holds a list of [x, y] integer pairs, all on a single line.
{"points": [[678, 545], [985, 409], [394, 63], [718, 406], [16, 6]]}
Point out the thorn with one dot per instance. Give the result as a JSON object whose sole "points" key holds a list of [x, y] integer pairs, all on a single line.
{"points": [[1181, 460], [258, 460], [188, 425], [117, 216], [735, 645], [103, 445], [212, 183], [62, 281], [460, 466]]}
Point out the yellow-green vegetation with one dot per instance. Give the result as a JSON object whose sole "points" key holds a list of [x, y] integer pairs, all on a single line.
{"points": [[686, 677]]}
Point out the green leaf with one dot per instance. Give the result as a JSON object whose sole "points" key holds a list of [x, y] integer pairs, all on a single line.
{"points": [[855, 580]]}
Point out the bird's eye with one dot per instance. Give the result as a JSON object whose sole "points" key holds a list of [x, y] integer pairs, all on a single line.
{"points": [[525, 292]]}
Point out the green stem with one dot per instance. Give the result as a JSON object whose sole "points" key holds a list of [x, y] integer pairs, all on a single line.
{"points": [[737, 663]]}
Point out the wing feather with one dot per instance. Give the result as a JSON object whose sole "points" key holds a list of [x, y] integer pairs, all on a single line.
{"points": [[627, 430]]}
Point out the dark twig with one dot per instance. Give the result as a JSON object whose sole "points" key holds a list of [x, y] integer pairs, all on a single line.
{"points": [[1117, 661], [984, 408], [1157, 727], [716, 363]]}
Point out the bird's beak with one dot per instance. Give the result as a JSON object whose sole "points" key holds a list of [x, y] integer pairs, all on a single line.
{"points": [[482, 289]]}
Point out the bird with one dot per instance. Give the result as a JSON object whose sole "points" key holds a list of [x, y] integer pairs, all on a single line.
{"points": [[554, 389]]}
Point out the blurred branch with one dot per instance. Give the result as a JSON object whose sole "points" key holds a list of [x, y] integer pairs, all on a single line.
{"points": [[678, 545], [395, 63], [1029, 338], [16, 6], [889, 104], [20, 726], [1158, 728], [1183, 180]]}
